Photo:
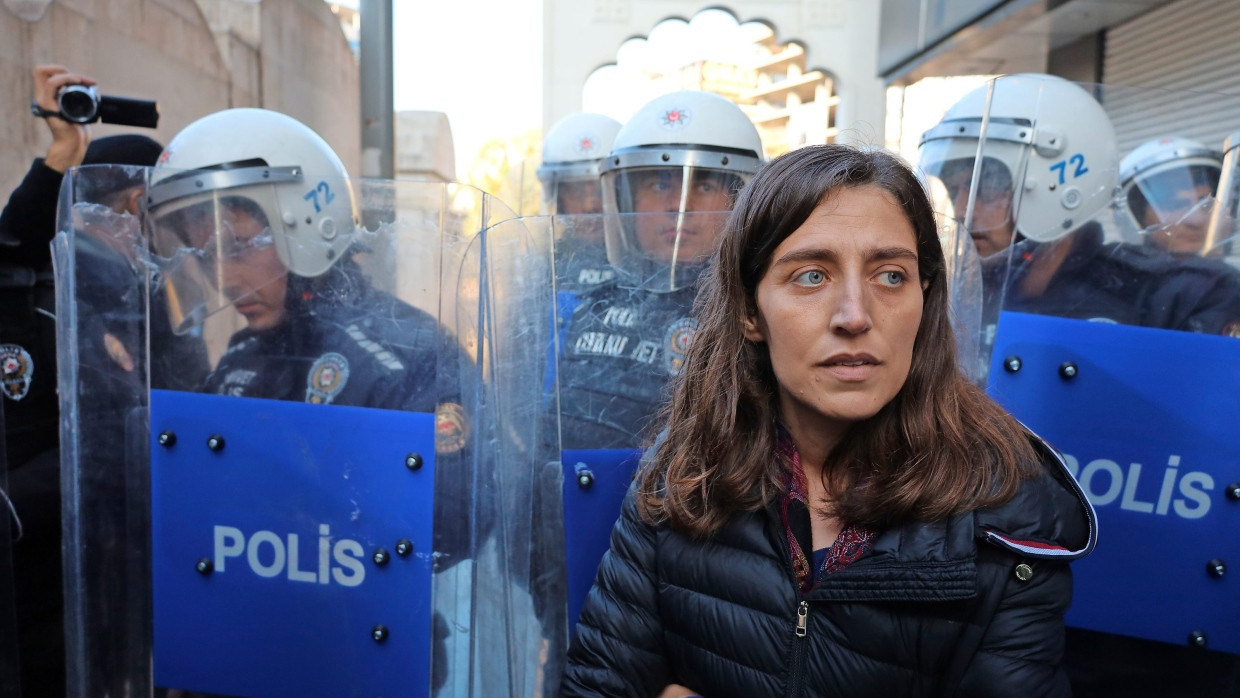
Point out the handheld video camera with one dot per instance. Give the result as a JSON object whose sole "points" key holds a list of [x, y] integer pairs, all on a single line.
{"points": [[82, 104]]}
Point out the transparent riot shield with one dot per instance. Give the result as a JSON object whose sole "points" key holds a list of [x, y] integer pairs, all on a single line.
{"points": [[621, 335], [288, 482], [1225, 218], [511, 177], [1122, 352], [494, 603]]}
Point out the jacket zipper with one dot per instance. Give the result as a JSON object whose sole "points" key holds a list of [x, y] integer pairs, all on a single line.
{"points": [[796, 676]]}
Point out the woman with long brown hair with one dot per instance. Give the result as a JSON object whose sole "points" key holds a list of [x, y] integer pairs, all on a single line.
{"points": [[832, 508]]}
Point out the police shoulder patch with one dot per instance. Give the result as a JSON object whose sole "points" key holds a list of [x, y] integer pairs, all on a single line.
{"points": [[1232, 329], [327, 378], [16, 370], [676, 344], [451, 428]]}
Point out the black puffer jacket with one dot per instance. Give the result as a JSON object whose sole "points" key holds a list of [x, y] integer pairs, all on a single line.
{"points": [[968, 606]]}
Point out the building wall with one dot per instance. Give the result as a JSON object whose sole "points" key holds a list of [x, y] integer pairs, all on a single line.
{"points": [[309, 71], [840, 36], [152, 49], [193, 57]]}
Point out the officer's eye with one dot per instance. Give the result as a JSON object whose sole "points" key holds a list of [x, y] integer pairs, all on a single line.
{"points": [[813, 277]]}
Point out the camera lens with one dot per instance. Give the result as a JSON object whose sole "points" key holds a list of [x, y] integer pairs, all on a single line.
{"points": [[78, 103]]}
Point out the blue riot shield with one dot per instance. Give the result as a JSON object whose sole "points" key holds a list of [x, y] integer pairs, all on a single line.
{"points": [[1146, 421], [280, 484]]}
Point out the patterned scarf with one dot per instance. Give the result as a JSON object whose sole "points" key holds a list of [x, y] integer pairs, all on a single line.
{"points": [[852, 542]]}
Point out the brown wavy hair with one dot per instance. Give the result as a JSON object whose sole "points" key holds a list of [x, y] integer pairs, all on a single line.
{"points": [[940, 447]]}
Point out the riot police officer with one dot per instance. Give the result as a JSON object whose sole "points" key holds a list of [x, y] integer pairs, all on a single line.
{"points": [[1048, 170], [260, 206], [1049, 162], [668, 184], [573, 151], [1166, 194]]}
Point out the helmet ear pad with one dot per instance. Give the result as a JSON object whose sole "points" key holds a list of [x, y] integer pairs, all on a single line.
{"points": [[316, 224]]}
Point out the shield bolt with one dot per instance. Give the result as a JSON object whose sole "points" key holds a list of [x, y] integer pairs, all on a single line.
{"points": [[381, 557], [167, 438], [1067, 370], [413, 461], [585, 479], [1233, 491], [403, 547], [1216, 568], [1197, 639], [1012, 364], [204, 566], [215, 442], [379, 633]]}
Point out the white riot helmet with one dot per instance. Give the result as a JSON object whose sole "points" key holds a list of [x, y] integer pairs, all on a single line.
{"points": [[572, 152], [676, 167], [1165, 182], [1047, 144], [268, 165]]}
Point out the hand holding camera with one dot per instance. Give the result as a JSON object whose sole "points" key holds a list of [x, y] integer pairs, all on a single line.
{"points": [[69, 140], [68, 101]]}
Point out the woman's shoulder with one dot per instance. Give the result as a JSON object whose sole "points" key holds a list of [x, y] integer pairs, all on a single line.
{"points": [[1048, 518]]}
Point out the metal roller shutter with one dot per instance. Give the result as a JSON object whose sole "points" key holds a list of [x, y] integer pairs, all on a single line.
{"points": [[1188, 45]]}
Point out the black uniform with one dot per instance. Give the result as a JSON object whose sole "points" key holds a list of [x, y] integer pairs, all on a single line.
{"points": [[362, 348], [1124, 284], [1134, 285], [27, 316], [621, 348]]}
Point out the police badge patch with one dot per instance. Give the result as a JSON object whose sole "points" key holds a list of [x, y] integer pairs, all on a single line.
{"points": [[16, 370], [679, 335], [1232, 329], [327, 378], [451, 428]]}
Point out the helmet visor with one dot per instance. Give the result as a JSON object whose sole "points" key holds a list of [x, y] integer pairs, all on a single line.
{"points": [[574, 196], [219, 252], [982, 200], [671, 218], [1173, 207]]}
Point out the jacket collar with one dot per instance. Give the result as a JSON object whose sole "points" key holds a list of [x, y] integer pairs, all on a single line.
{"points": [[1049, 518]]}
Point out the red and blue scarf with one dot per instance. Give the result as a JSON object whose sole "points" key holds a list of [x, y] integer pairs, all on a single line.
{"points": [[852, 542]]}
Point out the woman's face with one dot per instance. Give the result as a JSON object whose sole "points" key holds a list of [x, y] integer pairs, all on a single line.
{"points": [[838, 308]]}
